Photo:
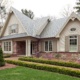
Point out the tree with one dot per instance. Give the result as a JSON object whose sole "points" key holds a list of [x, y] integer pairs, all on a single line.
{"points": [[77, 7], [67, 10], [29, 13], [4, 9], [2, 62], [2, 14]]}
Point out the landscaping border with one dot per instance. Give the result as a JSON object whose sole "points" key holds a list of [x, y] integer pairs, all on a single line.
{"points": [[59, 63]]}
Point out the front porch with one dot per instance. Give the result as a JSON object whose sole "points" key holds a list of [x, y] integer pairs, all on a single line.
{"points": [[26, 47]]}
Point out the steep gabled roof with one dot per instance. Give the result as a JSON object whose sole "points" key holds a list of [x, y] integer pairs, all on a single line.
{"points": [[39, 25], [41, 28], [25, 21], [53, 28], [72, 17], [30, 26]]}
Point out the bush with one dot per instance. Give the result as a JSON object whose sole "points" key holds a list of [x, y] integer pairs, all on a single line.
{"points": [[59, 63], [2, 62], [57, 69]]}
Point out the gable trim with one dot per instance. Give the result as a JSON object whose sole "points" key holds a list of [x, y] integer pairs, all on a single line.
{"points": [[72, 17]]}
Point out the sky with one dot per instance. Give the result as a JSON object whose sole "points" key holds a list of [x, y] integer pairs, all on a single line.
{"points": [[44, 7]]}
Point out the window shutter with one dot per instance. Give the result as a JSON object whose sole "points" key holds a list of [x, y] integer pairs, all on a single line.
{"points": [[67, 44], [10, 30], [17, 28], [78, 43]]}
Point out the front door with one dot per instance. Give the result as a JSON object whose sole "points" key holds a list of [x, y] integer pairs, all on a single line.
{"points": [[34, 47], [73, 44]]}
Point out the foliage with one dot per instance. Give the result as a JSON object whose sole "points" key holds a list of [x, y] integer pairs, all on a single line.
{"points": [[57, 55], [57, 69], [77, 7], [59, 63], [29, 13], [2, 62]]}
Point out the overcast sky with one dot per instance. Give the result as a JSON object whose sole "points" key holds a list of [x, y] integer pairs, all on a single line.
{"points": [[44, 7]]}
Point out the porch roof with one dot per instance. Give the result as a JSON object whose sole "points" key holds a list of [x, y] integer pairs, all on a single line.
{"points": [[14, 36]]}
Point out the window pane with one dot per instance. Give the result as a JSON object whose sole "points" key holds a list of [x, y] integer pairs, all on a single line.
{"points": [[7, 46], [73, 41], [46, 45], [14, 28], [50, 45]]}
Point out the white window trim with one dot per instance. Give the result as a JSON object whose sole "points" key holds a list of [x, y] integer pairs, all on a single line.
{"points": [[11, 47], [48, 46], [77, 43]]}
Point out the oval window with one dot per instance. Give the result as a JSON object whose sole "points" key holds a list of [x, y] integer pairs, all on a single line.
{"points": [[73, 29]]}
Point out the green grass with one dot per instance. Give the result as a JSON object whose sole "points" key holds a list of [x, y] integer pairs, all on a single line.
{"points": [[23, 73]]}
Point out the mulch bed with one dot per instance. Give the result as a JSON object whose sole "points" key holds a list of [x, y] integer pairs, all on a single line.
{"points": [[7, 66]]}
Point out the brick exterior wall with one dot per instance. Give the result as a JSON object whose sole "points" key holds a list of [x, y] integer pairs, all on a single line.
{"points": [[19, 47]]}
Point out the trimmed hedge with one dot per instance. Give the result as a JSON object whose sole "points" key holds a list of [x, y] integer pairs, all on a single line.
{"points": [[59, 63], [57, 69]]}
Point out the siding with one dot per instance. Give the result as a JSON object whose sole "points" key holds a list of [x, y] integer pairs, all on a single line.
{"points": [[66, 32]]}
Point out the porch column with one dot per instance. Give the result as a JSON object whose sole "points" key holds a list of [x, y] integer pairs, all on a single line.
{"points": [[28, 47]]}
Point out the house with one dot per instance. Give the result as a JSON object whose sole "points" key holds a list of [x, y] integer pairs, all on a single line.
{"points": [[24, 36]]}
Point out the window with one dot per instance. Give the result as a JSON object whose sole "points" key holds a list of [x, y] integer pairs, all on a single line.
{"points": [[73, 29], [73, 43], [13, 28], [48, 45], [7, 46]]}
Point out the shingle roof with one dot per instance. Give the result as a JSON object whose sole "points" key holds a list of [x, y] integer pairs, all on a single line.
{"points": [[14, 36], [26, 21], [32, 26], [38, 24], [53, 28]]}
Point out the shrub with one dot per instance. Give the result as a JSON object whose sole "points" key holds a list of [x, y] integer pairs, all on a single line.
{"points": [[57, 69], [57, 56], [2, 62], [59, 63]]}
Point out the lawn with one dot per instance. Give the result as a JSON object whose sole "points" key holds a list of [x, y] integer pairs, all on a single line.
{"points": [[23, 73]]}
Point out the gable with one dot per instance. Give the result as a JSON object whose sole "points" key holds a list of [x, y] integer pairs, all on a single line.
{"points": [[12, 20], [71, 24], [72, 17], [67, 32]]}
